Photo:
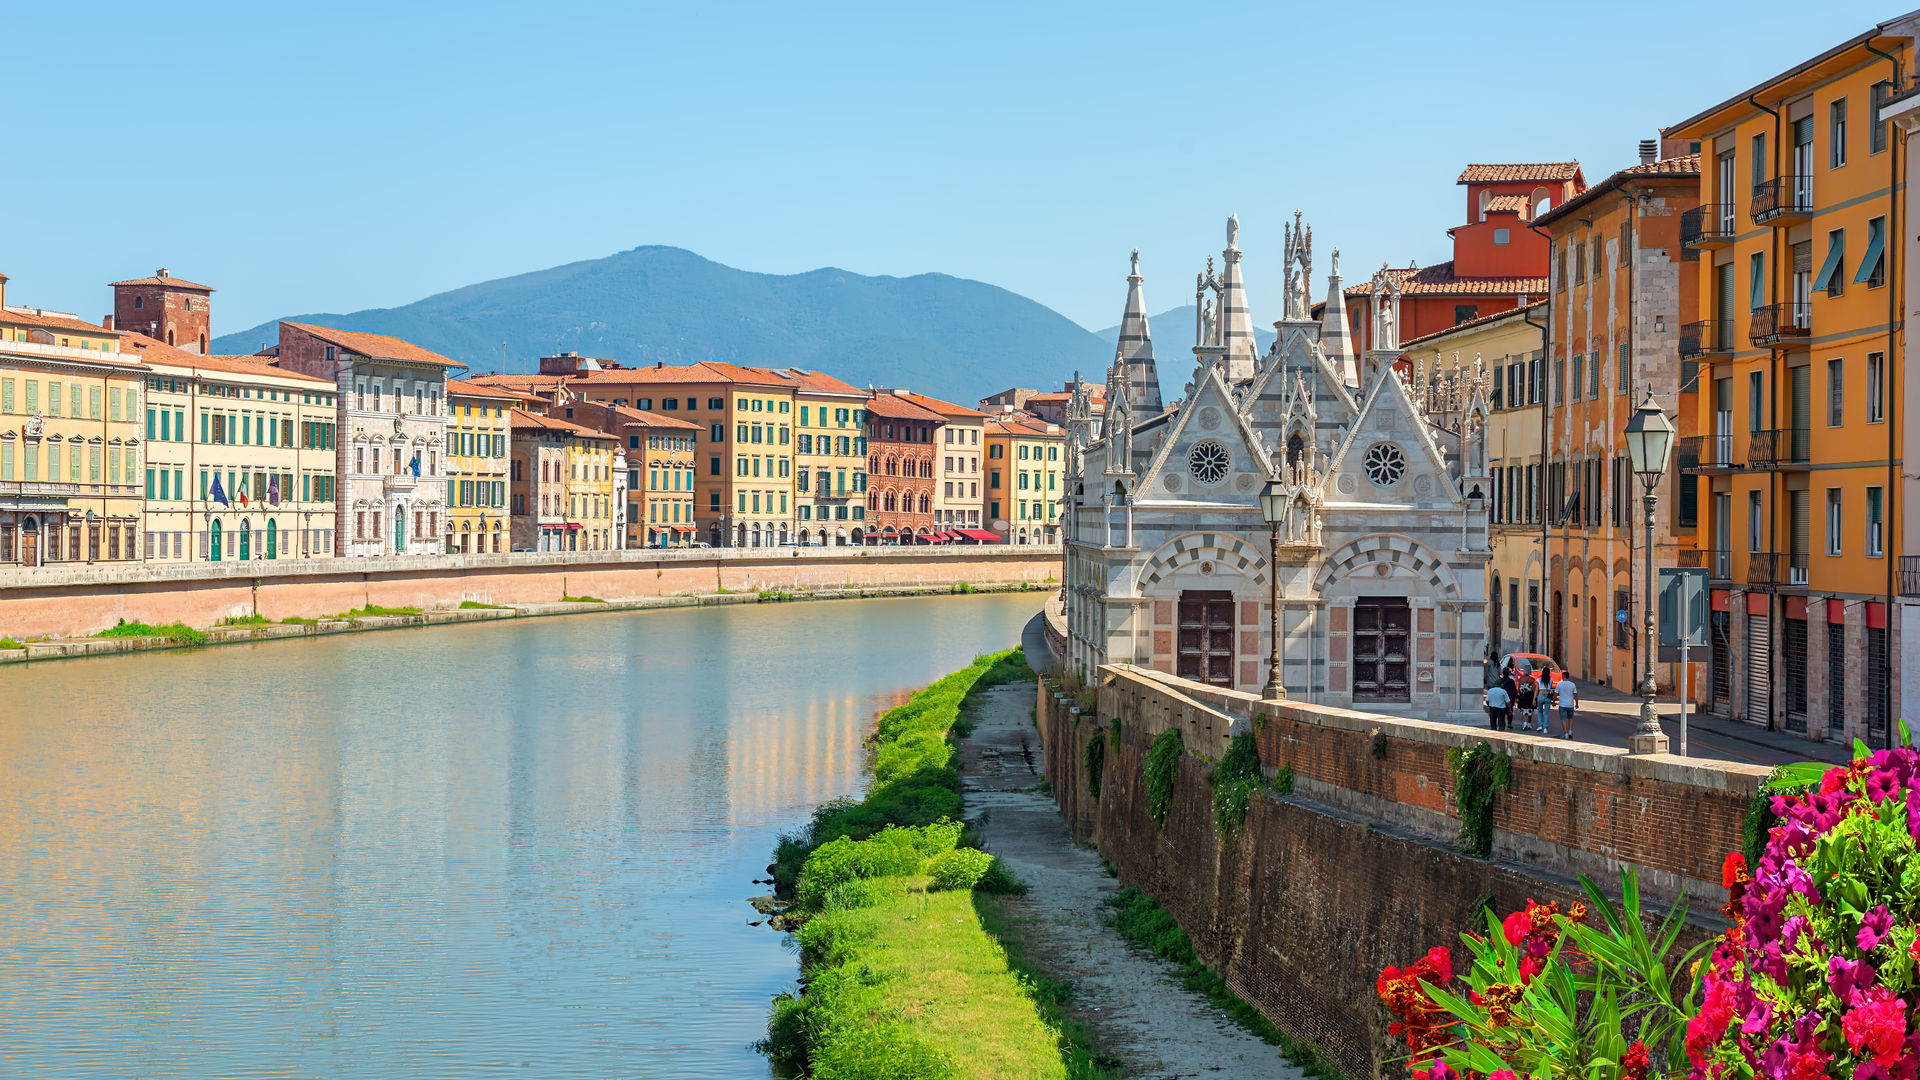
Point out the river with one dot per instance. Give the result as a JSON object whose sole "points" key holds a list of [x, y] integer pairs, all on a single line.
{"points": [[517, 848]]}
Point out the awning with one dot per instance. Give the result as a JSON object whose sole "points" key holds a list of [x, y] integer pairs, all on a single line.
{"points": [[683, 528], [1836, 252], [574, 525], [981, 535], [1876, 249]]}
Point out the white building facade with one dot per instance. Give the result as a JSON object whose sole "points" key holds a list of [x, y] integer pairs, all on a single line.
{"points": [[1382, 560]]}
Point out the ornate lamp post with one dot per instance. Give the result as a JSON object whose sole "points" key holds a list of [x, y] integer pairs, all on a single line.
{"points": [[1649, 441], [1274, 504], [89, 540]]}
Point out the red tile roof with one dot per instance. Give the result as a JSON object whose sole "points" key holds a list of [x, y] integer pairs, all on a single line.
{"points": [[162, 278], [1507, 204], [52, 320], [1684, 167], [944, 408], [817, 382], [1510, 313], [154, 351], [377, 346], [521, 418], [1023, 428], [467, 388], [643, 418], [705, 371], [1520, 172], [1438, 280], [895, 407]]}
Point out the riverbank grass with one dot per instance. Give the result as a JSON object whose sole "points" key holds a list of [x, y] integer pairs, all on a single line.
{"points": [[900, 930], [179, 633]]}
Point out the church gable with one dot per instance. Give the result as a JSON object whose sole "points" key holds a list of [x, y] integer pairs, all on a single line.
{"points": [[1210, 455], [1389, 457]]}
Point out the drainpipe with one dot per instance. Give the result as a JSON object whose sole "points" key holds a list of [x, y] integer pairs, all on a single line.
{"points": [[1546, 375], [1773, 389], [1892, 366]]}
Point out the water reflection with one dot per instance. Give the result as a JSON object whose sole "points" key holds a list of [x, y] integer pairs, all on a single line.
{"points": [[466, 850]]}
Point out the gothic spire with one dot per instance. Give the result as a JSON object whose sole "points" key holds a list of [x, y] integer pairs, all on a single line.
{"points": [[1333, 328], [1236, 324], [1134, 357]]}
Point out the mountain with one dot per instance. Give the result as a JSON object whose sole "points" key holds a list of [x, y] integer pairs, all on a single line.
{"points": [[1172, 337], [940, 335]]}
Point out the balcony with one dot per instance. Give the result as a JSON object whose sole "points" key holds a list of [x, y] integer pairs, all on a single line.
{"points": [[1910, 575], [1780, 325], [1777, 569], [1693, 558], [1707, 338], [1707, 453], [400, 484], [1709, 225], [1783, 201], [1779, 448]]}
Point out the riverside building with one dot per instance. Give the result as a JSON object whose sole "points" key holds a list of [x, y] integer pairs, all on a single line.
{"points": [[1800, 276], [902, 451], [391, 416], [239, 458], [479, 435], [1024, 470], [71, 451]]}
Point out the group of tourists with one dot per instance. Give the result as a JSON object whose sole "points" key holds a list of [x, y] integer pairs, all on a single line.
{"points": [[1534, 697]]}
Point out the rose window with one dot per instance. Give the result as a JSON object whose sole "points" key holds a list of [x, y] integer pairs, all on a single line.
{"points": [[1385, 463], [1209, 462]]}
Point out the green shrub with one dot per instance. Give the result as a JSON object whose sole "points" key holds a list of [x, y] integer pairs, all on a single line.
{"points": [[375, 611], [957, 869], [178, 633], [1163, 762], [9, 643], [469, 605], [1000, 881], [1235, 780], [883, 1052], [295, 620], [1478, 774], [255, 619], [581, 600]]}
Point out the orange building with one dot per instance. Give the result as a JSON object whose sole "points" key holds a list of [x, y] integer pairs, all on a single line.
{"points": [[1498, 262], [1622, 291], [1799, 273]]}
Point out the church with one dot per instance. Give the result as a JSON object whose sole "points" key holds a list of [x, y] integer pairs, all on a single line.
{"points": [[1381, 557]]}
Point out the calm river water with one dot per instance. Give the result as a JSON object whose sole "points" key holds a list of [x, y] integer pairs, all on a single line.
{"points": [[466, 851]]}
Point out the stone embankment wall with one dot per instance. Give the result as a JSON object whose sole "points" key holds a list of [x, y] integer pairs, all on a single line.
{"points": [[73, 600], [1303, 905]]}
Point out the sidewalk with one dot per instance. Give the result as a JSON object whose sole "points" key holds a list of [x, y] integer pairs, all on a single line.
{"points": [[1607, 717]]}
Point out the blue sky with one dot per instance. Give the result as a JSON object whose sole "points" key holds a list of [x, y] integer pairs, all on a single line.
{"points": [[304, 158]]}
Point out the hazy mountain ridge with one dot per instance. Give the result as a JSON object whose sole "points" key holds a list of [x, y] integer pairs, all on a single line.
{"points": [[947, 336]]}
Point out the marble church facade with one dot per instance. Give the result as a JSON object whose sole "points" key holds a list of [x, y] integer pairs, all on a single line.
{"points": [[1382, 560]]}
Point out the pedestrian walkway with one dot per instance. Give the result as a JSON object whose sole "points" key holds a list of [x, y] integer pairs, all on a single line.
{"points": [[1607, 716]]}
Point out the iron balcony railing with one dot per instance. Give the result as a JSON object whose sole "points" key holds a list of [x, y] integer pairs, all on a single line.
{"points": [[1910, 575], [1777, 568], [1693, 558], [1780, 324], [1780, 446], [1708, 225], [1783, 199], [1708, 337], [1705, 453]]}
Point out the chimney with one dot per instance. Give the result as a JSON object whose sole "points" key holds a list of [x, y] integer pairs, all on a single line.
{"points": [[163, 273], [1649, 151], [107, 323], [3, 292]]}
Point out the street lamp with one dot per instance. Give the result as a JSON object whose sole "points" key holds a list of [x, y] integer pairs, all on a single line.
{"points": [[1649, 441], [89, 541], [1274, 504]]}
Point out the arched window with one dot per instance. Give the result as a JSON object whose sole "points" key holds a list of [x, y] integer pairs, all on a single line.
{"points": [[1539, 202], [1485, 198], [923, 503], [1296, 446]]}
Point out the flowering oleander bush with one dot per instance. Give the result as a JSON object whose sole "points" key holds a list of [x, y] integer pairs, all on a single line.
{"points": [[1817, 976], [1548, 993]]}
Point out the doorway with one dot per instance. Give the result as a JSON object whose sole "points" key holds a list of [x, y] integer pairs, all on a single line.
{"points": [[1206, 636], [1381, 626]]}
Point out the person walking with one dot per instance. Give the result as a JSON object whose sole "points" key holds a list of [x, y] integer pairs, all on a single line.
{"points": [[1497, 704], [1510, 682], [1543, 701], [1523, 703], [1568, 697]]}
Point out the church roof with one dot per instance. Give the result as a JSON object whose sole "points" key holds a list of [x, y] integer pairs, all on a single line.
{"points": [[164, 279]]}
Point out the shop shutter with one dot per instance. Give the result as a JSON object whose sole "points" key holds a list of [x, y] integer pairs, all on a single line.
{"points": [[1759, 649]]}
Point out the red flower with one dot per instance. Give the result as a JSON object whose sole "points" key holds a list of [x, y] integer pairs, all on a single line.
{"points": [[1877, 1026], [1733, 870], [1633, 1063], [1516, 927]]}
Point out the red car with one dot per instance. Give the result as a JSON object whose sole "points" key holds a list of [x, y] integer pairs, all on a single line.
{"points": [[1537, 666]]}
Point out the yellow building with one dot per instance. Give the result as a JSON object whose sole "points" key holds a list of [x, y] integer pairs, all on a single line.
{"points": [[70, 443], [830, 458], [1508, 345], [264, 435], [479, 436], [1799, 338], [744, 493], [567, 482], [1025, 472]]}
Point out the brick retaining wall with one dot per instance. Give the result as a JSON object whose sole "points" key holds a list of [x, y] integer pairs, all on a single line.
{"points": [[82, 599], [1304, 905]]}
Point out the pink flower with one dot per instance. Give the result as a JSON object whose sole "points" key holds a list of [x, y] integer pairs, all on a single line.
{"points": [[1873, 926], [1876, 1025], [1502, 1074], [1516, 927]]}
